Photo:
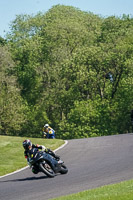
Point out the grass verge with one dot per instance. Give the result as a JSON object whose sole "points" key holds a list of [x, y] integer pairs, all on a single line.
{"points": [[12, 152], [120, 191]]}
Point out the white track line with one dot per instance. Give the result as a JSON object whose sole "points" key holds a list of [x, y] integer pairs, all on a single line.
{"points": [[61, 146], [28, 166]]}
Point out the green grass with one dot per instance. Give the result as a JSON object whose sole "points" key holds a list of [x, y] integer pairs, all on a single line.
{"points": [[120, 191], [12, 152]]}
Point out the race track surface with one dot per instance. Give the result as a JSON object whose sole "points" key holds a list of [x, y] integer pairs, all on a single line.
{"points": [[92, 162]]}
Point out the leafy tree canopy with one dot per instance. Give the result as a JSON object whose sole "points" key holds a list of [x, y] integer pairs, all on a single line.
{"points": [[74, 70]]}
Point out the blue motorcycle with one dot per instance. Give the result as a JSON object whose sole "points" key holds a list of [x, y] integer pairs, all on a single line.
{"points": [[41, 161]]}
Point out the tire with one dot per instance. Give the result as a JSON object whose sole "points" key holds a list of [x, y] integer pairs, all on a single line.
{"points": [[46, 169], [64, 169]]}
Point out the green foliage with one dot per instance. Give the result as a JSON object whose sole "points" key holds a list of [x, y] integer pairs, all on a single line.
{"points": [[89, 118], [2, 41], [36, 118], [11, 104], [74, 71]]}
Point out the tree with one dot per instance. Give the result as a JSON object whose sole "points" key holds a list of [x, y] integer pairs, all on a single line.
{"points": [[2, 41], [67, 59], [11, 105]]}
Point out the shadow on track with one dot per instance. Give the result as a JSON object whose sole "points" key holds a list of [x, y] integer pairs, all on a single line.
{"points": [[27, 179]]}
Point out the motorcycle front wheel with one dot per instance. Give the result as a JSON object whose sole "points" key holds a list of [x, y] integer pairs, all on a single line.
{"points": [[64, 169], [46, 169]]}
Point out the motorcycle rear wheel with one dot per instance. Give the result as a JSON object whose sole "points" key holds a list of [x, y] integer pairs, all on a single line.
{"points": [[46, 169]]}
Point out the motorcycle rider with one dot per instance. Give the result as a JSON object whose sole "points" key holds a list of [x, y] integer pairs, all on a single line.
{"points": [[48, 132], [28, 146]]}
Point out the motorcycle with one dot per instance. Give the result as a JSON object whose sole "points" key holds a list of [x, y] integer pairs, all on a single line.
{"points": [[41, 161]]}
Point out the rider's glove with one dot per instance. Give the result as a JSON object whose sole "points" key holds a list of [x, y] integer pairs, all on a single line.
{"points": [[47, 150]]}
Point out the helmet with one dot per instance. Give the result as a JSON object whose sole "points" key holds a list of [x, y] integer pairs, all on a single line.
{"points": [[26, 144], [46, 125]]}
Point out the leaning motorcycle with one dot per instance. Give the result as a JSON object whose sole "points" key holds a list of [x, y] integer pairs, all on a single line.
{"points": [[41, 161]]}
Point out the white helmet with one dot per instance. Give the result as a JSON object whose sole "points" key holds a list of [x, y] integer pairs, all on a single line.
{"points": [[46, 125]]}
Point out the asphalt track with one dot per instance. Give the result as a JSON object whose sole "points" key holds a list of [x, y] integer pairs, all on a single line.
{"points": [[92, 162]]}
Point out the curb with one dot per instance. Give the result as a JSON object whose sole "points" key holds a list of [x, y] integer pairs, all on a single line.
{"points": [[28, 166]]}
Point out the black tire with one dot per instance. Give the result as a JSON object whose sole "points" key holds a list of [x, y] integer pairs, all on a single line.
{"points": [[46, 169], [64, 169]]}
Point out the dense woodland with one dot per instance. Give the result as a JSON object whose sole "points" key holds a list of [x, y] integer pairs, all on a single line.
{"points": [[69, 68]]}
